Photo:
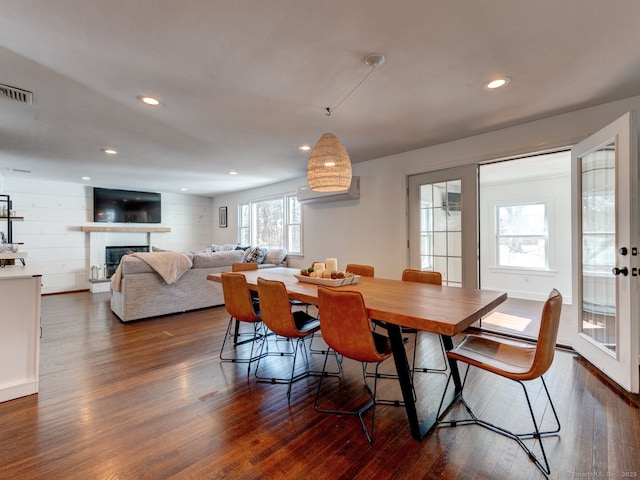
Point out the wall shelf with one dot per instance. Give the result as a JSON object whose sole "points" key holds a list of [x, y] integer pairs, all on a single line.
{"points": [[9, 216], [96, 228], [4, 256]]}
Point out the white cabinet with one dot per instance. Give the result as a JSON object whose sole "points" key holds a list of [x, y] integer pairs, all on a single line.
{"points": [[19, 330]]}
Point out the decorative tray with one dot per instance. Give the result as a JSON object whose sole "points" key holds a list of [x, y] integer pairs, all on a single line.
{"points": [[331, 282]]}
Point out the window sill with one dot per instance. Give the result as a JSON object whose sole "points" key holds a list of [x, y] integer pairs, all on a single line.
{"points": [[524, 271]]}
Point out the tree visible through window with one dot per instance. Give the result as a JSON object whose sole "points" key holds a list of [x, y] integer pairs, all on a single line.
{"points": [[522, 236], [273, 222], [267, 219]]}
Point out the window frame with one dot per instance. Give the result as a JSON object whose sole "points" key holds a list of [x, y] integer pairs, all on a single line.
{"points": [[249, 230], [548, 260]]}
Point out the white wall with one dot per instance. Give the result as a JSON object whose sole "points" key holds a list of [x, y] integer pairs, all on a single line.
{"points": [[373, 229], [532, 285], [54, 212]]}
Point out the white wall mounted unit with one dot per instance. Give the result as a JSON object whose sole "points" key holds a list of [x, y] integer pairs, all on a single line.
{"points": [[307, 196]]}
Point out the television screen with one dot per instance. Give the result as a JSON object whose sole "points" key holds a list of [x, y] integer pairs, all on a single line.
{"points": [[125, 206]]}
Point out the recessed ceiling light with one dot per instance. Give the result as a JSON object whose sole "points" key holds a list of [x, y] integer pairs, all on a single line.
{"points": [[86, 178], [233, 172], [183, 189], [154, 102], [497, 82], [304, 147], [109, 151]]}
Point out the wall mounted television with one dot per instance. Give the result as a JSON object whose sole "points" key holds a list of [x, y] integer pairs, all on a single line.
{"points": [[125, 206]]}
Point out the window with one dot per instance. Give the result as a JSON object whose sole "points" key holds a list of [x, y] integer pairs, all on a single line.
{"points": [[272, 222], [522, 236]]}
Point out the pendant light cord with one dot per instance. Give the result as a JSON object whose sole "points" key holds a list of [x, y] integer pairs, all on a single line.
{"points": [[330, 110]]}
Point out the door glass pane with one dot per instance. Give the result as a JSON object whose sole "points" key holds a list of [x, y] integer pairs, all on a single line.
{"points": [[440, 244], [598, 246], [441, 230]]}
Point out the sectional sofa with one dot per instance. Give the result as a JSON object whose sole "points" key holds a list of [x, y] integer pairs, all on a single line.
{"points": [[142, 293]]}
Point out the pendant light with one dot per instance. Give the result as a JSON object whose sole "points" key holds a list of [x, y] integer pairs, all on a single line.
{"points": [[329, 166]]}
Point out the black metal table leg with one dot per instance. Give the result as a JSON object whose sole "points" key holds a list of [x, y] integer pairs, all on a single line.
{"points": [[419, 430]]}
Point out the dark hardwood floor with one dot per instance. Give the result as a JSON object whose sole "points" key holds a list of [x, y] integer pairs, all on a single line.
{"points": [[151, 400]]}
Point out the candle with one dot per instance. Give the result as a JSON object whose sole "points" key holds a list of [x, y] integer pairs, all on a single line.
{"points": [[332, 264], [318, 267]]}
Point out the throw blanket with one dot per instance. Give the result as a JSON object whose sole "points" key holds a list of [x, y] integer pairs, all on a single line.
{"points": [[169, 265]]}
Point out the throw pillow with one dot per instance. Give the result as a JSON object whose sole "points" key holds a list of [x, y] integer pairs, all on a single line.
{"points": [[217, 259], [275, 255], [255, 254]]}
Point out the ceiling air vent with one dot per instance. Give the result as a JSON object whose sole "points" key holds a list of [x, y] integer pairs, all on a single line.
{"points": [[17, 94]]}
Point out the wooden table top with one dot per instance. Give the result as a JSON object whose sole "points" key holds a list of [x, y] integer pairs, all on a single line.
{"points": [[433, 308]]}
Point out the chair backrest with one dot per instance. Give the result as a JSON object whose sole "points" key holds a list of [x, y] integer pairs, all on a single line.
{"points": [[363, 270], [422, 276], [244, 266], [547, 335], [345, 325], [276, 309], [237, 297]]}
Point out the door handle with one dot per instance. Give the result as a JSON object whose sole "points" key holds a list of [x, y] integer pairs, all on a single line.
{"points": [[617, 271]]}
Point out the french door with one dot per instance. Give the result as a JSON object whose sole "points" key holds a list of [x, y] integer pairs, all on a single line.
{"points": [[443, 224], [604, 185]]}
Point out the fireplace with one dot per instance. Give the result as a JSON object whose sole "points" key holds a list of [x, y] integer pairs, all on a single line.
{"points": [[112, 256]]}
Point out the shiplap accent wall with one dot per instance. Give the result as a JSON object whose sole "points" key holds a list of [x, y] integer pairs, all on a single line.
{"points": [[54, 212]]}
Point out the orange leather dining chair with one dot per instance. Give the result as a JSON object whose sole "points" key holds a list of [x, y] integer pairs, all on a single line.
{"points": [[422, 276], [432, 278], [248, 266], [347, 330], [362, 270], [518, 362], [239, 304], [244, 266], [281, 320]]}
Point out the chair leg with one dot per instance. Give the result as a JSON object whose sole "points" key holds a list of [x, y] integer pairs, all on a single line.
{"points": [[299, 346], [359, 412], [537, 434], [233, 331], [414, 368], [322, 351]]}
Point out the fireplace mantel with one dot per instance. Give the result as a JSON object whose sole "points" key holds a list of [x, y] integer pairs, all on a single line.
{"points": [[101, 228], [101, 236]]}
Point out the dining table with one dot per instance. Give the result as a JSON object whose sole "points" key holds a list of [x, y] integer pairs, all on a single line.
{"points": [[444, 310]]}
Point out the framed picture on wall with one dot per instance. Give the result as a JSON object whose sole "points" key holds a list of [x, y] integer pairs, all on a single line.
{"points": [[223, 217]]}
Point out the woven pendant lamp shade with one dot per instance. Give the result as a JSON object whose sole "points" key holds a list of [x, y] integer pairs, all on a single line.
{"points": [[329, 167]]}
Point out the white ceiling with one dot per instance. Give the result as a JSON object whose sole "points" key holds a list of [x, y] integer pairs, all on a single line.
{"points": [[244, 82]]}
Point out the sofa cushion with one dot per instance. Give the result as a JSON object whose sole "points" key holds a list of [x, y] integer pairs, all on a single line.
{"points": [[217, 259], [131, 265], [275, 255], [223, 248], [255, 255]]}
